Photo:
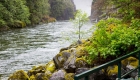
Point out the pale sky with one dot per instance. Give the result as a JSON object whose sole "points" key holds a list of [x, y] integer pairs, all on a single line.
{"points": [[84, 5]]}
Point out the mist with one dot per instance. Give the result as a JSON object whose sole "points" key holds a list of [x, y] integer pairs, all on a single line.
{"points": [[84, 5]]}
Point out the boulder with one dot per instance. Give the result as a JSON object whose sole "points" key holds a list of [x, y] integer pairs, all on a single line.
{"points": [[19, 75], [112, 72], [130, 61], [80, 70], [59, 75], [37, 69], [60, 58], [69, 76], [51, 66], [69, 65], [41, 76], [81, 63], [130, 64]]}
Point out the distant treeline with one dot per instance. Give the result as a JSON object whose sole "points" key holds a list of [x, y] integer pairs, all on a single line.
{"points": [[20, 13]]}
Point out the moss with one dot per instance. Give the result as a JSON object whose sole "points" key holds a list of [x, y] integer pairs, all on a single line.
{"points": [[130, 61], [69, 76], [48, 74], [112, 70], [50, 66], [32, 77], [41, 76], [80, 51], [81, 62], [39, 67], [19, 75]]}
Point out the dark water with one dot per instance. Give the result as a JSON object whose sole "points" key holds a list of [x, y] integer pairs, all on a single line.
{"points": [[25, 48]]}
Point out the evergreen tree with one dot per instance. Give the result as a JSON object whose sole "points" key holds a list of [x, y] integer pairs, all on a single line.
{"points": [[62, 9], [15, 13], [38, 9]]}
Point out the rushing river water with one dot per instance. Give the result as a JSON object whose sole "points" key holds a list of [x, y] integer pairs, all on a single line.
{"points": [[27, 47]]}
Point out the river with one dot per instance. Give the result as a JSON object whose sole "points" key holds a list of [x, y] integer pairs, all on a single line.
{"points": [[30, 46]]}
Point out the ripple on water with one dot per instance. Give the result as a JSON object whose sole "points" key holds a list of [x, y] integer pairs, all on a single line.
{"points": [[27, 47]]}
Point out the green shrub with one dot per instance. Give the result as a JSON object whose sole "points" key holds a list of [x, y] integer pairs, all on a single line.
{"points": [[113, 38]]}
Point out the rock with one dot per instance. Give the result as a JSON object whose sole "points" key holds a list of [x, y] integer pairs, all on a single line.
{"points": [[134, 73], [126, 79], [130, 61], [130, 64], [60, 58], [32, 77], [37, 69], [69, 76], [80, 70], [59, 75], [19, 75], [50, 66], [112, 72], [66, 59], [41, 76], [81, 63], [63, 49], [69, 65]]}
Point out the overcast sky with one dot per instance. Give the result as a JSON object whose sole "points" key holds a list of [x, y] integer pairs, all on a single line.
{"points": [[84, 5]]}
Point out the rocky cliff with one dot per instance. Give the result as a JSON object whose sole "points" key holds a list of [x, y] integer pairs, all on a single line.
{"points": [[101, 9]]}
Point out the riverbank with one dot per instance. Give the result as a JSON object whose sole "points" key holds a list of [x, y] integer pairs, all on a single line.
{"points": [[105, 44], [31, 46], [71, 61]]}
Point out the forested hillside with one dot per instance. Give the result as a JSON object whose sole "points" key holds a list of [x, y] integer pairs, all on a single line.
{"points": [[62, 9], [20, 13]]}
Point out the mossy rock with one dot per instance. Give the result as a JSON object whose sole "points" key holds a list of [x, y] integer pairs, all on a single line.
{"points": [[80, 51], [130, 61], [58, 75], [112, 70], [32, 77], [60, 58], [81, 62], [37, 69], [48, 74], [69, 76], [19, 75], [51, 66], [41, 76]]}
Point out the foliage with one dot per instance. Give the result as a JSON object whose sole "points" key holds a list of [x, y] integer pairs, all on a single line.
{"points": [[61, 9], [2, 15], [112, 37], [38, 10], [80, 18], [13, 10], [128, 8]]}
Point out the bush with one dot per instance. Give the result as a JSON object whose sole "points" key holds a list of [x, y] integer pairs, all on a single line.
{"points": [[113, 38]]}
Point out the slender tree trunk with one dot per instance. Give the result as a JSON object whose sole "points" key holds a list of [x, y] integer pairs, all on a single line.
{"points": [[79, 33], [79, 29]]}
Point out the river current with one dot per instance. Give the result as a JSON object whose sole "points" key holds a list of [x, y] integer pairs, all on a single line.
{"points": [[21, 49]]}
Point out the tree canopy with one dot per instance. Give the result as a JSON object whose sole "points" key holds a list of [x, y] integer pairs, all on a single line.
{"points": [[19, 13]]}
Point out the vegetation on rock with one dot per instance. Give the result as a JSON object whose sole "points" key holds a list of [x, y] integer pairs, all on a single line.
{"points": [[113, 38]]}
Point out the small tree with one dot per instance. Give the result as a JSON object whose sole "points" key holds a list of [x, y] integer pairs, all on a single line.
{"points": [[80, 18]]}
